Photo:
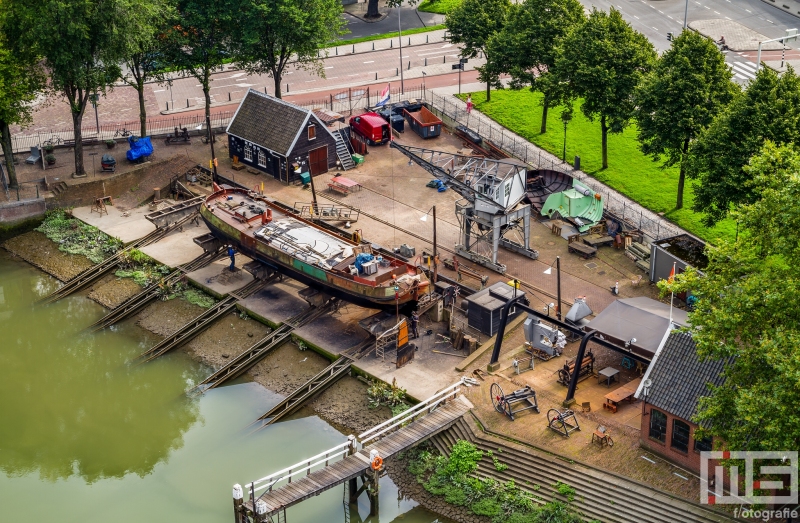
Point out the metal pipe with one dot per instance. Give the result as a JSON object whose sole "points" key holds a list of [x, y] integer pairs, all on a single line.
{"points": [[558, 287], [573, 382]]}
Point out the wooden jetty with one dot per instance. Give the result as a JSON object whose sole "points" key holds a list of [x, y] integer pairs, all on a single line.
{"points": [[405, 430]]}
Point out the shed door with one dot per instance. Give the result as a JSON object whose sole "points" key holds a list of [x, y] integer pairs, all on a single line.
{"points": [[318, 160]]}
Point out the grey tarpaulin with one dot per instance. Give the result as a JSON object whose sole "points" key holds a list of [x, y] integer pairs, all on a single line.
{"points": [[641, 318]]}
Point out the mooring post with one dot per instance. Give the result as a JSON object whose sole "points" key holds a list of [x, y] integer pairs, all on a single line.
{"points": [[373, 490], [238, 501], [261, 511]]}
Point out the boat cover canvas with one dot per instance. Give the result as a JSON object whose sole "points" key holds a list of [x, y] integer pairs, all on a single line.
{"points": [[641, 318], [140, 147]]}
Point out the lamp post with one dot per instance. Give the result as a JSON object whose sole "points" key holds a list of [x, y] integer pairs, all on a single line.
{"points": [[400, 40], [435, 257], [171, 101], [94, 98], [549, 270], [566, 116], [685, 14]]}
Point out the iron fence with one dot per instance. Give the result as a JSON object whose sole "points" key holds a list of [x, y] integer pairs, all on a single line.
{"points": [[453, 112]]}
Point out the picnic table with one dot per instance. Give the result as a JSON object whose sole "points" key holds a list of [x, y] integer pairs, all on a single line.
{"points": [[343, 185], [626, 392], [596, 240], [575, 246], [608, 375]]}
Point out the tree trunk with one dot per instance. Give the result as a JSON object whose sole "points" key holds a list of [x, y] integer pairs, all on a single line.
{"points": [[277, 79], [8, 153], [604, 140], [488, 91], [545, 104], [372, 9], [77, 119], [142, 110], [682, 176]]}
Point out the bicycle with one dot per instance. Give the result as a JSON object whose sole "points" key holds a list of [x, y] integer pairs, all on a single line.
{"points": [[123, 132], [53, 141]]}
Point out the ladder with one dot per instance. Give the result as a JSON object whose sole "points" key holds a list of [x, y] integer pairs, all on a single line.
{"points": [[343, 152]]}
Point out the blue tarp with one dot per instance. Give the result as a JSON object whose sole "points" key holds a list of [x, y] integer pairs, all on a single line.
{"points": [[140, 147], [361, 259]]}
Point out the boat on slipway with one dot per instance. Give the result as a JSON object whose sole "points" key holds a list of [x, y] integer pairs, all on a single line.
{"points": [[311, 254]]}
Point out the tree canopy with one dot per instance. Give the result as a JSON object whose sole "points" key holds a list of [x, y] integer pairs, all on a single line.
{"points": [[21, 80], [748, 308], [142, 55], [473, 24], [81, 43], [769, 109], [602, 61], [273, 32], [689, 85], [525, 47]]}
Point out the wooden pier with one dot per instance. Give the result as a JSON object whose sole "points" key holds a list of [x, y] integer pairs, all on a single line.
{"points": [[409, 428]]}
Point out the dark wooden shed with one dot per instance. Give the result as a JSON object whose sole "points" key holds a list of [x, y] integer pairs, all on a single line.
{"points": [[275, 136], [485, 307]]}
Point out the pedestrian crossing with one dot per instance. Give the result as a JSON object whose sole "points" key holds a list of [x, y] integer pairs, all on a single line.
{"points": [[743, 70]]}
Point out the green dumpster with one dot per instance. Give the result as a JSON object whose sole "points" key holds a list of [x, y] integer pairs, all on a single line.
{"points": [[305, 178], [358, 159]]}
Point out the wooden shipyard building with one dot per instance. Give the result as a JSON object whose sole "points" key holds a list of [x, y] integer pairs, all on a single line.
{"points": [[279, 138]]}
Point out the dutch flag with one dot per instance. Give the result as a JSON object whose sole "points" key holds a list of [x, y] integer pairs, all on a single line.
{"points": [[384, 96]]}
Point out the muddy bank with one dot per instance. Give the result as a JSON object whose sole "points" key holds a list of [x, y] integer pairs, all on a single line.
{"points": [[227, 337], [112, 291], [36, 249], [165, 317], [397, 469]]}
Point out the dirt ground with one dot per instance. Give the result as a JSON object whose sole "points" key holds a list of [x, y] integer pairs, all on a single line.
{"points": [[111, 291], [165, 317], [36, 249]]}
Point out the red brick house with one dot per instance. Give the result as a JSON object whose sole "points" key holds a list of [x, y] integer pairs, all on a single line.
{"points": [[677, 380]]}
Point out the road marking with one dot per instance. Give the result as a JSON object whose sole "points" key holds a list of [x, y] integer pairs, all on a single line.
{"points": [[370, 62], [656, 28], [705, 6], [770, 21], [159, 90], [660, 11], [636, 17], [749, 11], [726, 18], [716, 12], [670, 17]]}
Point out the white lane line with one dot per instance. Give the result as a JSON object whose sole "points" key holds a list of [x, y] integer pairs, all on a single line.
{"points": [[740, 77], [670, 17], [727, 18], [370, 62], [749, 11], [660, 11], [159, 90], [636, 17], [656, 28], [716, 12], [329, 67]]}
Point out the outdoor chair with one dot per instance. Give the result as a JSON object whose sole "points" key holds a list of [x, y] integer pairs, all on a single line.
{"points": [[35, 156], [586, 406]]}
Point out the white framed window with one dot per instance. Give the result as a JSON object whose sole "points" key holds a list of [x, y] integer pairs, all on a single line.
{"points": [[248, 152], [312, 132], [262, 158]]}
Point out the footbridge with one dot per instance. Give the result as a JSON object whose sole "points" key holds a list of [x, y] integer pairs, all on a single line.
{"points": [[358, 457]]}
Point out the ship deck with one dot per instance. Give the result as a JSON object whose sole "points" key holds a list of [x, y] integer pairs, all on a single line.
{"points": [[305, 241]]}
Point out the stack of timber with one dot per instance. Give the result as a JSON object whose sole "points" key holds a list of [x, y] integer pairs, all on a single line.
{"points": [[639, 253], [464, 341]]}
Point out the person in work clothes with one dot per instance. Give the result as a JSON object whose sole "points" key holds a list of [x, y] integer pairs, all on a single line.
{"points": [[232, 255], [414, 324]]}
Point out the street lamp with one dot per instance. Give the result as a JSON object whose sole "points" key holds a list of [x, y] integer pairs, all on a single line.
{"points": [[94, 98], [685, 14], [566, 116], [424, 74], [548, 271], [171, 101]]}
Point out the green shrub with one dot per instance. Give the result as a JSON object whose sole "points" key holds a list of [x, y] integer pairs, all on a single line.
{"points": [[76, 237], [487, 507], [455, 495], [565, 490]]}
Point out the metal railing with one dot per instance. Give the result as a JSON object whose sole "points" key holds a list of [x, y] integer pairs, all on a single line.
{"points": [[419, 409], [268, 482], [453, 112]]}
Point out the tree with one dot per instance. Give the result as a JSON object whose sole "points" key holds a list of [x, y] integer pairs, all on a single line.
{"points": [[21, 80], [688, 87], [748, 311], [273, 32], [198, 45], [142, 53], [372, 6], [472, 24], [81, 44], [525, 47], [768, 109], [603, 61]]}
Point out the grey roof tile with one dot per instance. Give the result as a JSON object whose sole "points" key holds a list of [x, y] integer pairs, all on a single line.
{"points": [[679, 378], [268, 121]]}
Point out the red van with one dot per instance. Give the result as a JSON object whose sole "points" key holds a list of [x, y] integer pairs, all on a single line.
{"points": [[372, 127]]}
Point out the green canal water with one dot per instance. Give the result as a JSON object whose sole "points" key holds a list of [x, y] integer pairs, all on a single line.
{"points": [[85, 437]]}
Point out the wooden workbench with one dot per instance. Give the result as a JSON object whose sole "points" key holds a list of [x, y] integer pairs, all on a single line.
{"points": [[625, 392]]}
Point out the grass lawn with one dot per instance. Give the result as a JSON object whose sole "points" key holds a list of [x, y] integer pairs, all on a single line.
{"points": [[441, 7], [629, 171], [388, 35]]}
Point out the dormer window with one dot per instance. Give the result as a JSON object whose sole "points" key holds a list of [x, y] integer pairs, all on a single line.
{"points": [[312, 132]]}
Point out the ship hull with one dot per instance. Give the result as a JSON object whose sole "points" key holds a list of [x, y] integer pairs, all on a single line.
{"points": [[341, 292]]}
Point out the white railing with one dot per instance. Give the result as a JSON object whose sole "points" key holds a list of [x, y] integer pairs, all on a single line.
{"points": [[403, 417], [267, 482]]}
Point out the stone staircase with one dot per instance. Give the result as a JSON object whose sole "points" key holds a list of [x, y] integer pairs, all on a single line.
{"points": [[342, 151], [57, 188], [600, 495]]}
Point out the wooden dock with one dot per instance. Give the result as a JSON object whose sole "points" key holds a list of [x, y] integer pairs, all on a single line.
{"points": [[358, 464]]}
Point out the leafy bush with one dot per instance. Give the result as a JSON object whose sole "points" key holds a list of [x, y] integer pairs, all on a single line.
{"points": [[76, 237], [565, 490], [379, 393], [487, 507]]}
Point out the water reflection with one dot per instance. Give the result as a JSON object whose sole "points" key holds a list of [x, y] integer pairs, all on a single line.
{"points": [[69, 403]]}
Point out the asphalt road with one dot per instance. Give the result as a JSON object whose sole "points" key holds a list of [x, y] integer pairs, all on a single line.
{"points": [[410, 18]]}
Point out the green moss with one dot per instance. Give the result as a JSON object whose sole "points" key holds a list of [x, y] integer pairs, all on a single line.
{"points": [[441, 7], [629, 171], [76, 237]]}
